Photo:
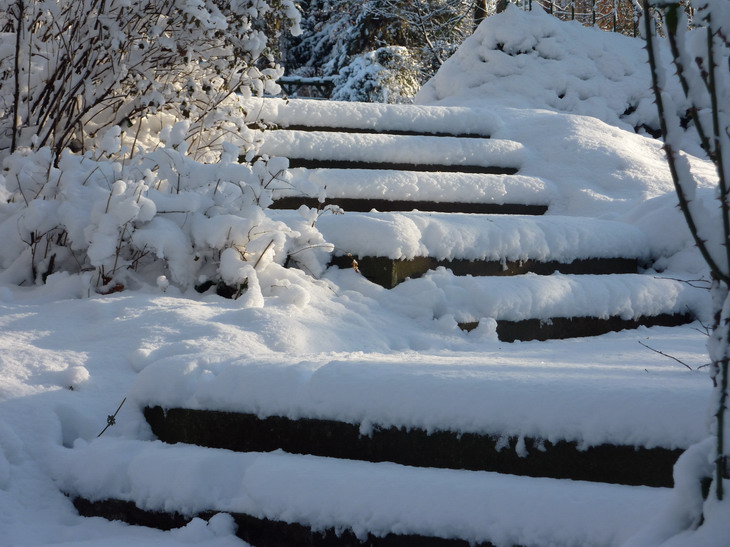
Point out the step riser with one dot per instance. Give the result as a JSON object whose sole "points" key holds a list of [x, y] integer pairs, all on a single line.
{"points": [[257, 531], [414, 447], [366, 205], [388, 272], [370, 131], [559, 328], [297, 163]]}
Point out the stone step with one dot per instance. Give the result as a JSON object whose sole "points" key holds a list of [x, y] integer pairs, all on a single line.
{"points": [[559, 328], [281, 499], [389, 272], [415, 447], [331, 150], [388, 190], [533, 410], [262, 532], [534, 306], [393, 246], [372, 117]]}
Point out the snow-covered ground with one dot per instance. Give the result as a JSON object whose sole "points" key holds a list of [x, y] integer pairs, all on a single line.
{"points": [[339, 347]]}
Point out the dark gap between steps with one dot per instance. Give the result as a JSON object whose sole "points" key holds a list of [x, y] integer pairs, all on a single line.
{"points": [[372, 131], [244, 432], [260, 532], [559, 328], [296, 163], [387, 205], [388, 272]]}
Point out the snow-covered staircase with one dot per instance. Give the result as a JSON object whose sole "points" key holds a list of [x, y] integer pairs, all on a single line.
{"points": [[498, 454]]}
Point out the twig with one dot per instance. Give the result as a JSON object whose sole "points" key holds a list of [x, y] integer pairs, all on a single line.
{"points": [[666, 355], [111, 420]]}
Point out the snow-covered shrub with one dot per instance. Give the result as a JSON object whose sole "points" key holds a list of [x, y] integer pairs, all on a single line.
{"points": [[69, 69], [386, 75], [108, 109], [159, 214]]}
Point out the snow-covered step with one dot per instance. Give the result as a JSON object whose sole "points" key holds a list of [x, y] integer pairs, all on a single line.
{"points": [[532, 409], [525, 456], [364, 190], [373, 117], [330, 150], [480, 237], [383, 504], [541, 307], [390, 247]]}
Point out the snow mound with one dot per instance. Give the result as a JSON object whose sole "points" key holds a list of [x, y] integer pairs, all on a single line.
{"points": [[530, 59]]}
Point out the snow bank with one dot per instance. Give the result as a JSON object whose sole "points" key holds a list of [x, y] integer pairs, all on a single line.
{"points": [[376, 498]]}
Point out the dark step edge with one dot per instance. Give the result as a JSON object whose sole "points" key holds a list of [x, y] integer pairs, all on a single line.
{"points": [[259, 532], [297, 163], [559, 328], [389, 272], [389, 205], [368, 130], [244, 432]]}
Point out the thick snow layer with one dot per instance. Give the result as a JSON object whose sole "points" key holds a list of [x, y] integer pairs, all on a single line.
{"points": [[530, 296], [421, 186], [381, 117], [515, 391], [410, 149], [375, 498], [480, 237]]}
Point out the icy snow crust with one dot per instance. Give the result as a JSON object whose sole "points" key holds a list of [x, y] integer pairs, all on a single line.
{"points": [[481, 237], [376, 498]]}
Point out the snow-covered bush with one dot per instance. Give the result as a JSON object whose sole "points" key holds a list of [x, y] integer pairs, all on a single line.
{"points": [[159, 214], [108, 109], [71, 68], [386, 75]]}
